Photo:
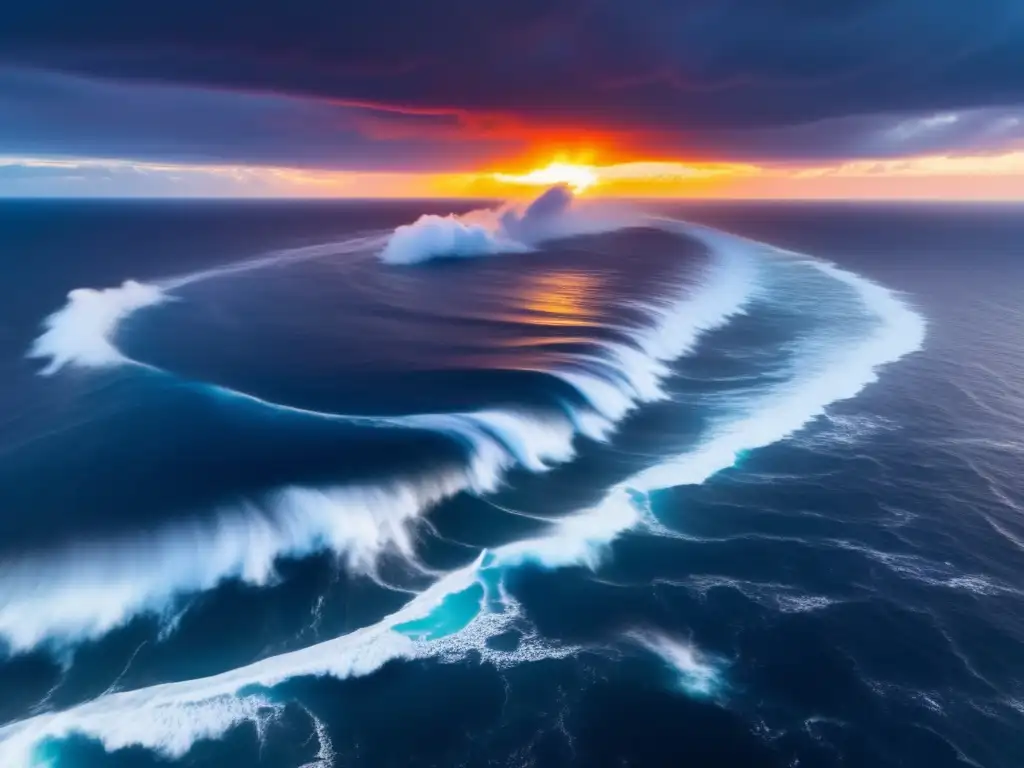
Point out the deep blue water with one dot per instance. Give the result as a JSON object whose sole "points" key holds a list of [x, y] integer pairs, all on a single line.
{"points": [[650, 495]]}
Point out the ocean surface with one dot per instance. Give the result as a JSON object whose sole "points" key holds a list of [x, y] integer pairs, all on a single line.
{"points": [[326, 484]]}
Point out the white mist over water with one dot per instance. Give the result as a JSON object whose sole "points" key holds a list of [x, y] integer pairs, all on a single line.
{"points": [[508, 229], [81, 333], [168, 719], [452, 236]]}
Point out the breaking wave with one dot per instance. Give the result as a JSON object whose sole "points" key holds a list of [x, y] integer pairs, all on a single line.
{"points": [[504, 230], [456, 615], [88, 590], [463, 608]]}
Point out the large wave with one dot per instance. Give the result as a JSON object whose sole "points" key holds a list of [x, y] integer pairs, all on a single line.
{"points": [[436, 623], [85, 591], [465, 607]]}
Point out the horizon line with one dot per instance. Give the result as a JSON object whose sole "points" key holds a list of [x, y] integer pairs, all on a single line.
{"points": [[494, 199]]}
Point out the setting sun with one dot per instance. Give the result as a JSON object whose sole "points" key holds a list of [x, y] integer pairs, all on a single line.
{"points": [[579, 177]]}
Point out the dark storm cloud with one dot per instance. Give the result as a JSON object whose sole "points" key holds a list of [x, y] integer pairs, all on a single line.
{"points": [[881, 135], [737, 76], [46, 114]]}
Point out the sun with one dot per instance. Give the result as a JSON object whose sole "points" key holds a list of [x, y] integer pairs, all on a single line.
{"points": [[579, 177]]}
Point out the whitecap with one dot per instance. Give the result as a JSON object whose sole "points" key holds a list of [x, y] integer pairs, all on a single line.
{"points": [[508, 229], [81, 333], [699, 675]]}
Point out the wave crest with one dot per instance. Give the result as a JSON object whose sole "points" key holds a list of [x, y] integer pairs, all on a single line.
{"points": [[508, 229], [88, 591]]}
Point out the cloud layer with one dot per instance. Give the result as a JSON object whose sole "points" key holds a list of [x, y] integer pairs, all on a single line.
{"points": [[403, 84]]}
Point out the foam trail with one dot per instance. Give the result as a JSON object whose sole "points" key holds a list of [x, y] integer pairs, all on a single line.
{"points": [[356, 244], [325, 749], [83, 332], [169, 718], [775, 416]]}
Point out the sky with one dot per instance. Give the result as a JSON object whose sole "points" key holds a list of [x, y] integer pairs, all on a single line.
{"points": [[493, 98]]}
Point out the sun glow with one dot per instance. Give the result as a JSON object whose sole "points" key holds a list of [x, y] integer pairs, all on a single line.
{"points": [[579, 177], [626, 176], [940, 177]]}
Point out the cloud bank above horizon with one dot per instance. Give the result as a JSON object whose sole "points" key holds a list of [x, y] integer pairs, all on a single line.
{"points": [[404, 87]]}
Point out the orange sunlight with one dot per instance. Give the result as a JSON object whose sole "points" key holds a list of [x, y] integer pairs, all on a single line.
{"points": [[934, 177], [925, 177], [966, 177], [579, 177]]}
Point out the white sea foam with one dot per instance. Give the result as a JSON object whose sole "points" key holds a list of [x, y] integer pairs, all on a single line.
{"points": [[81, 333], [325, 749], [579, 539], [699, 675], [508, 229], [933, 573], [731, 280]]}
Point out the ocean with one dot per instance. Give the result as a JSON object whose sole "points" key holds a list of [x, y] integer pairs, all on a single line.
{"points": [[324, 484]]}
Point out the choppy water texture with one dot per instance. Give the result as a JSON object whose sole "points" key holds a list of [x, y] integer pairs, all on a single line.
{"points": [[307, 484]]}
